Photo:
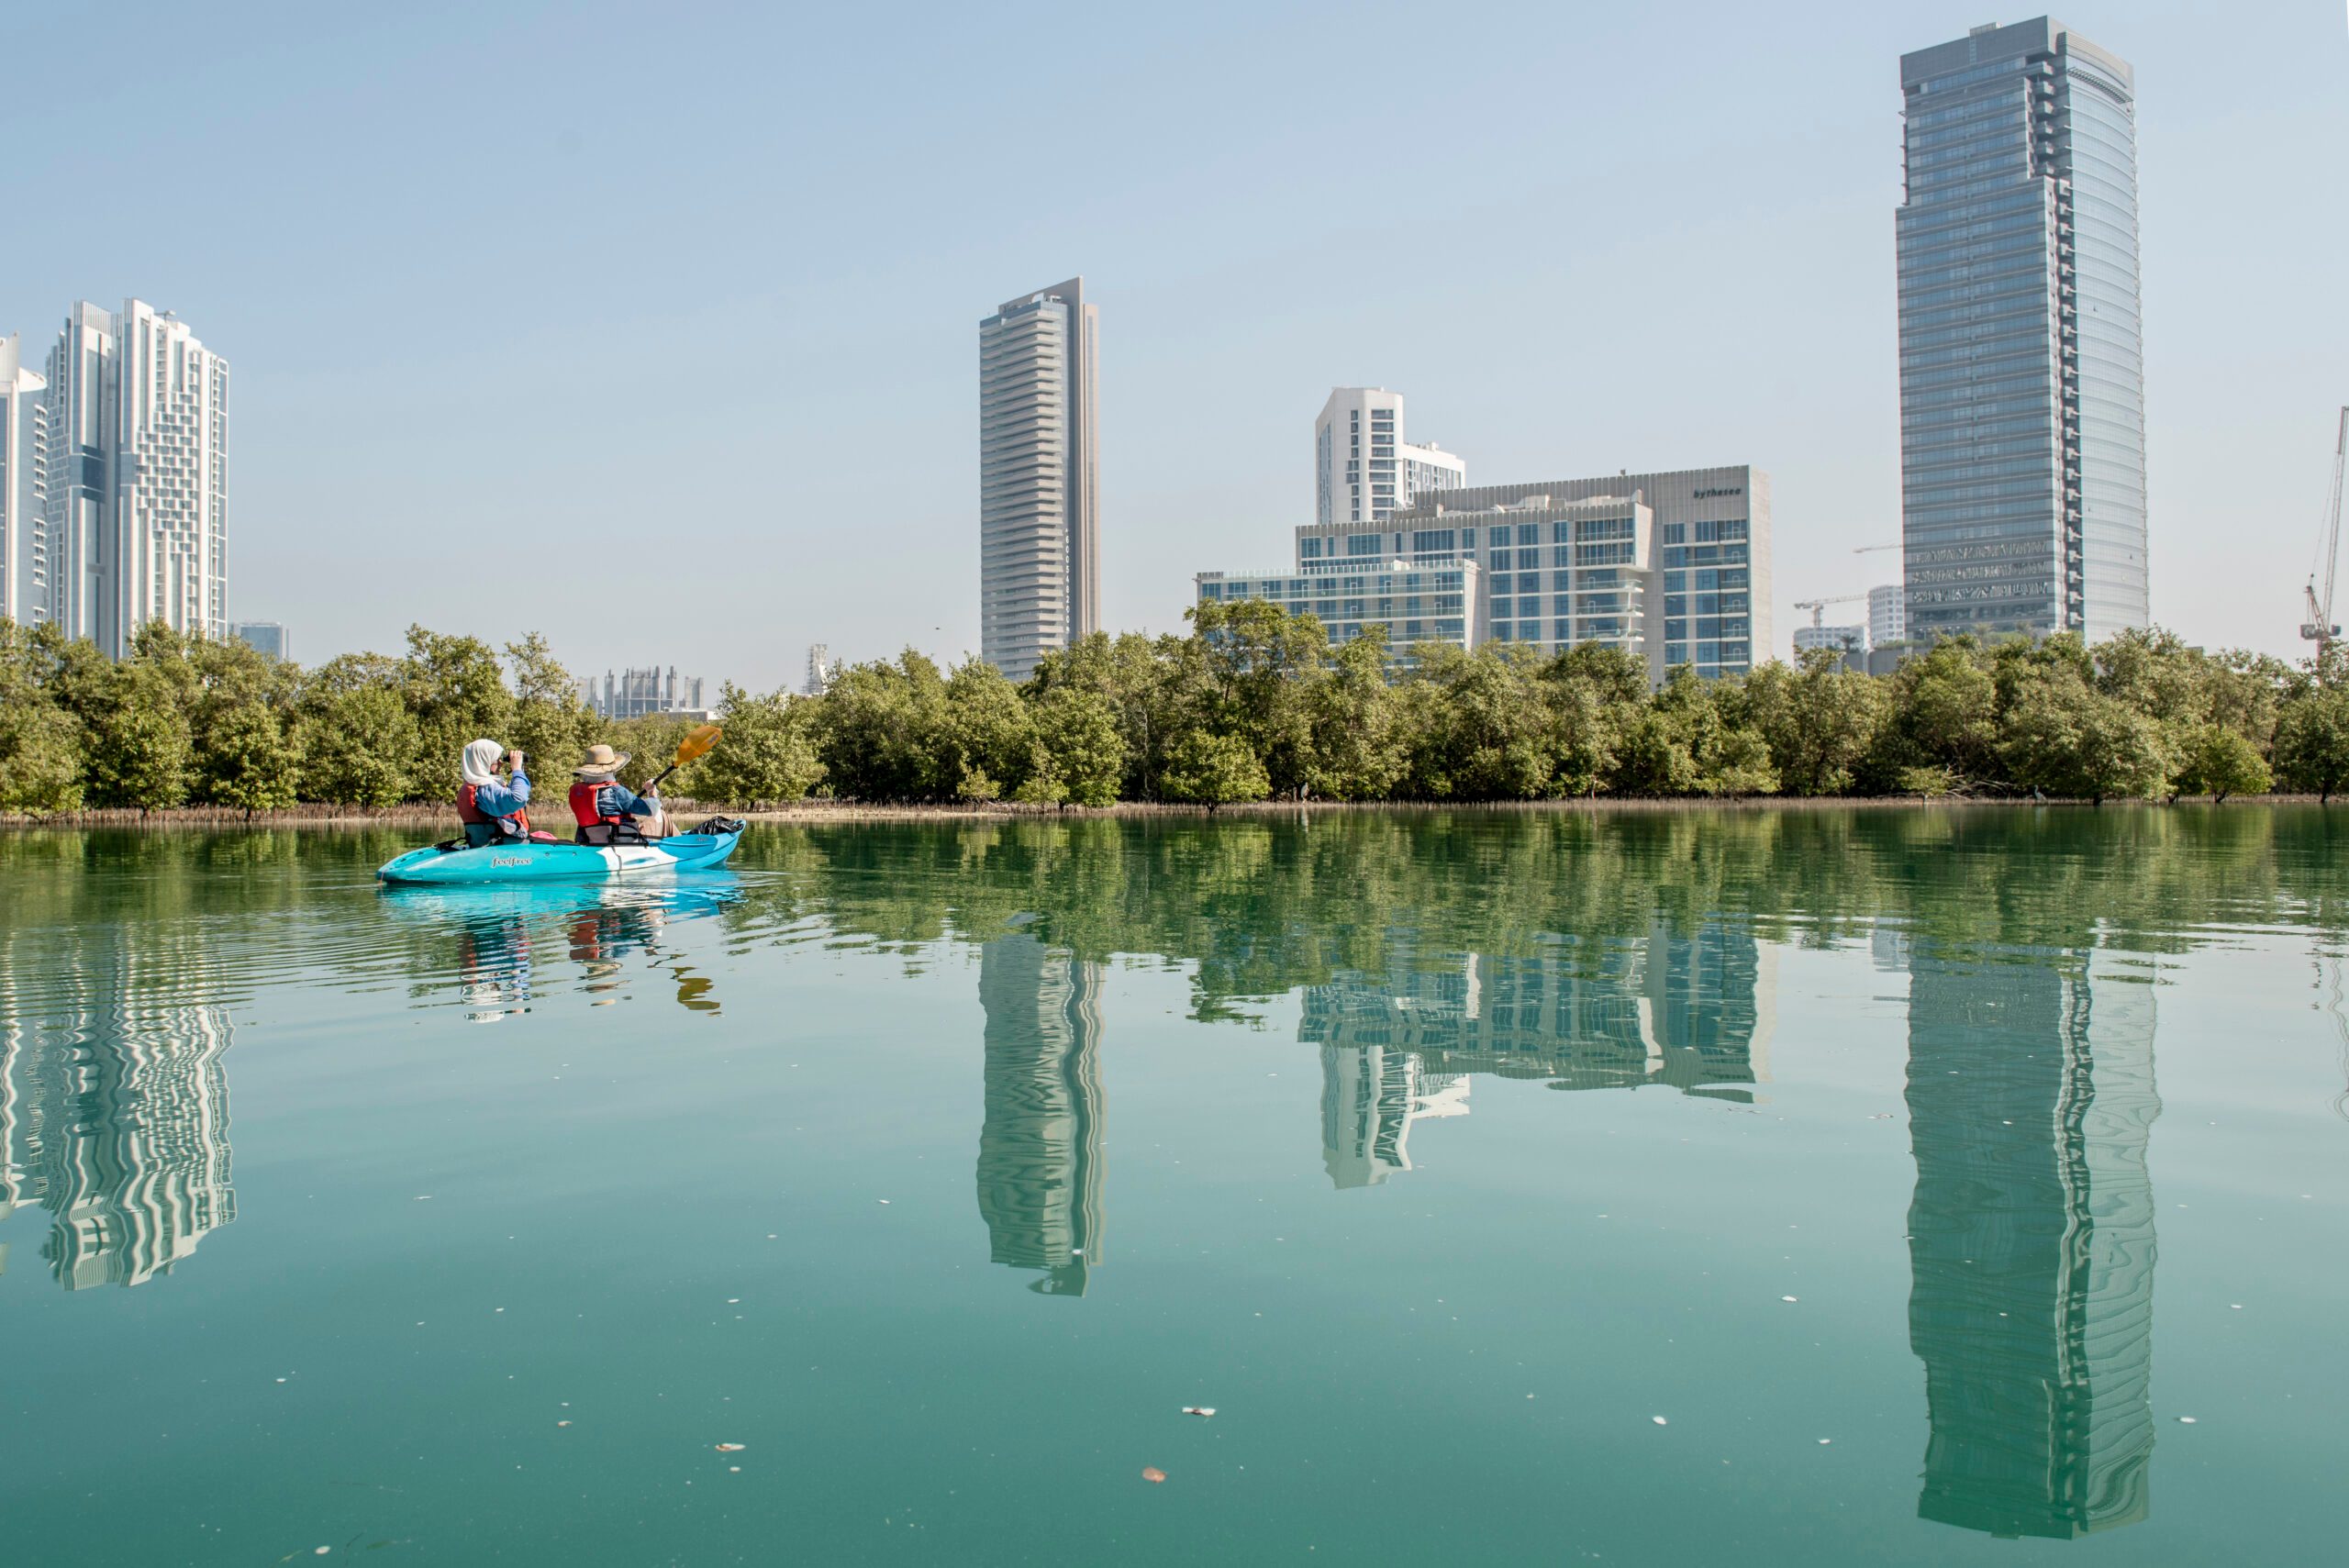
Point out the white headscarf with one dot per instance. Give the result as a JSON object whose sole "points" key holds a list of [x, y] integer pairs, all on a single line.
{"points": [[480, 760]]}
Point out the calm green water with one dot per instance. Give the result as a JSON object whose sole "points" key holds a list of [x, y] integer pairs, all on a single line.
{"points": [[1924, 1172]]}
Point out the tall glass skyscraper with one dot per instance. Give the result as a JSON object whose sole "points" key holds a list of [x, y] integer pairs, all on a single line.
{"points": [[2022, 409]]}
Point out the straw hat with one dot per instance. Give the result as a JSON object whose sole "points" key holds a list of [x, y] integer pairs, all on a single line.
{"points": [[601, 760]]}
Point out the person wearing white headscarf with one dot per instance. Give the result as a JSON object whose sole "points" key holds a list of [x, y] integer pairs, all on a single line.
{"points": [[492, 808]]}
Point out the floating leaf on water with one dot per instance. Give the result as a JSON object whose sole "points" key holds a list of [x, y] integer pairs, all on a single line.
{"points": [[1198, 1409], [1153, 1474], [1659, 1420], [2185, 1420], [731, 1447]]}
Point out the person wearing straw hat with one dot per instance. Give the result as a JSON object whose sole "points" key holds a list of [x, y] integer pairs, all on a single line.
{"points": [[607, 810]]}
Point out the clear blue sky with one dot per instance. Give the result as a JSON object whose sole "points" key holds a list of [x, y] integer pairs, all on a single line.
{"points": [[676, 306]]}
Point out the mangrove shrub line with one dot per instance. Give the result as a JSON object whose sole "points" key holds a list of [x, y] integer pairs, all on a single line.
{"points": [[1251, 703]]}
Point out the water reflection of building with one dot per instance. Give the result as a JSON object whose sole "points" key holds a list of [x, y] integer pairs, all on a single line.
{"points": [[1691, 1011], [2030, 1098], [1370, 1096], [119, 1127], [1040, 1149]]}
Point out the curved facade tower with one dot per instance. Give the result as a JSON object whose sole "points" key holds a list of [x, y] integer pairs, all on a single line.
{"points": [[1039, 550], [2022, 384]]}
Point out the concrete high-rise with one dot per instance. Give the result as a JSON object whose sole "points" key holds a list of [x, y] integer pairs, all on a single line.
{"points": [[2022, 425], [135, 520], [24, 477], [1362, 468], [1040, 493]]}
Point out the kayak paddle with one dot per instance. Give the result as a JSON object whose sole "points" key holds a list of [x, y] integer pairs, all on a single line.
{"points": [[693, 748]]}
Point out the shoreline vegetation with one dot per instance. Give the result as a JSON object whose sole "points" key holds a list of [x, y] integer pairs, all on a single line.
{"points": [[1252, 708], [815, 812]]}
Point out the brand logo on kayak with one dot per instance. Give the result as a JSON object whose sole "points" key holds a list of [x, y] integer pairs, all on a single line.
{"points": [[509, 860]]}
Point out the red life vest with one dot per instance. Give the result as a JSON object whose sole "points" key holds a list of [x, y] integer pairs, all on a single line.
{"points": [[583, 800], [470, 813]]}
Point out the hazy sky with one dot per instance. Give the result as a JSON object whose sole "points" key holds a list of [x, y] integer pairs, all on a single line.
{"points": [[654, 327]]}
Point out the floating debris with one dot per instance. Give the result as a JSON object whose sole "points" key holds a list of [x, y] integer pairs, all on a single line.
{"points": [[1786, 1298], [731, 1447], [882, 1201], [2185, 1420], [1824, 1441], [1198, 1409], [1153, 1474], [563, 1423], [1659, 1420]]}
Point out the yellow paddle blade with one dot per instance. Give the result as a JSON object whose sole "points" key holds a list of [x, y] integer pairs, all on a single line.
{"points": [[698, 742]]}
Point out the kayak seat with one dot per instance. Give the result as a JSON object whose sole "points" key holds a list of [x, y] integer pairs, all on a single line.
{"points": [[604, 834]]}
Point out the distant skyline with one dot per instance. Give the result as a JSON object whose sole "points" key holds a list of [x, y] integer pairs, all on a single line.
{"points": [[605, 287]]}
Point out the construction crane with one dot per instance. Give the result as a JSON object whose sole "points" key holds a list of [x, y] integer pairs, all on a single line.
{"points": [[1818, 607], [2317, 624]]}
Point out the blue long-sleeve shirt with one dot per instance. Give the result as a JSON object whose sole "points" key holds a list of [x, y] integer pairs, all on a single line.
{"points": [[617, 799], [501, 801], [496, 799]]}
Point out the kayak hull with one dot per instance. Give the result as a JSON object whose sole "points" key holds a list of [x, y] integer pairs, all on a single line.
{"points": [[495, 863]]}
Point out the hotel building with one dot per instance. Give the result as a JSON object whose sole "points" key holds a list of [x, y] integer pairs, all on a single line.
{"points": [[1674, 568]]}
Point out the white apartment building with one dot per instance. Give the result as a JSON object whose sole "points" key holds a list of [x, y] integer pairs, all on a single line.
{"points": [[1363, 469], [1040, 495], [1672, 567], [136, 520], [1888, 615], [24, 478], [1851, 639]]}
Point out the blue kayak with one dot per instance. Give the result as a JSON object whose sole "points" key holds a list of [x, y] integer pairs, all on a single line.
{"points": [[551, 862]]}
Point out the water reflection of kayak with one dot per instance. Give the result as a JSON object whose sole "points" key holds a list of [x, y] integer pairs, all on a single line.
{"points": [[488, 902], [504, 933], [495, 864]]}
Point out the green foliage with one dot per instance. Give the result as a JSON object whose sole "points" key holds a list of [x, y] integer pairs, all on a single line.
{"points": [[1078, 752], [1249, 703], [245, 758], [2065, 737], [458, 694], [141, 751], [40, 758], [768, 756], [1695, 739], [550, 723], [359, 741], [2215, 760], [1819, 719], [1481, 725], [1214, 770], [2312, 741]]}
